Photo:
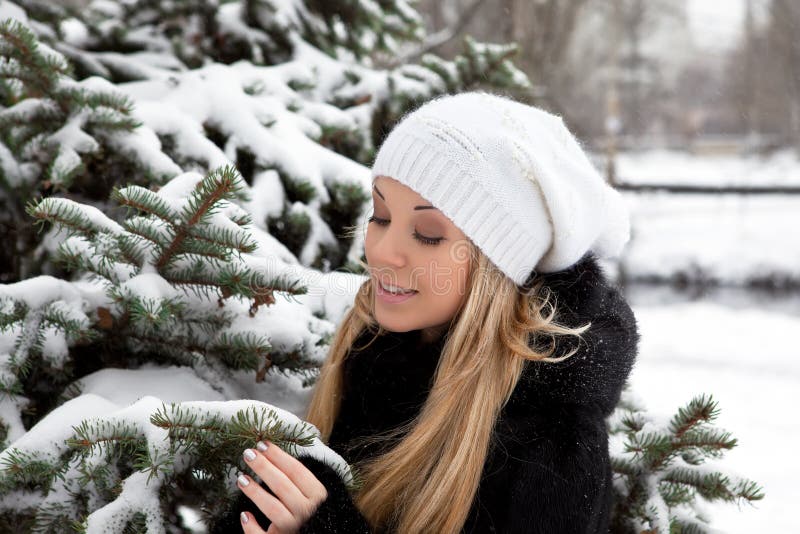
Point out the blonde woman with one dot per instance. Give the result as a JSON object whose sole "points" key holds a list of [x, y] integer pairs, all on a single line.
{"points": [[470, 381]]}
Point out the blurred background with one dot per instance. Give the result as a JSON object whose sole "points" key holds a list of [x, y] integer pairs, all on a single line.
{"points": [[709, 77]]}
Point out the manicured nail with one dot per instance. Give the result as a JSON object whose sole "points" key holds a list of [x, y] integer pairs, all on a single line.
{"points": [[249, 455], [261, 446], [243, 480], [244, 517]]}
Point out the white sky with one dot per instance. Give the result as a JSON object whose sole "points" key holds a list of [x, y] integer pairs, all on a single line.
{"points": [[715, 23]]}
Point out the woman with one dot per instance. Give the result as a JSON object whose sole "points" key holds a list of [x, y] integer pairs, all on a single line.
{"points": [[470, 381]]}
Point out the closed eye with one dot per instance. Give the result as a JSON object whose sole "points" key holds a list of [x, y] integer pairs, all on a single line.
{"points": [[419, 237]]}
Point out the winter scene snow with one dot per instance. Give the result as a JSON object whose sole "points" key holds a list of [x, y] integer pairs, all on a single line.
{"points": [[184, 188]]}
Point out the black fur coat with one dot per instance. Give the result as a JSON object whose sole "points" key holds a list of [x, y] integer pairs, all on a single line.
{"points": [[548, 469]]}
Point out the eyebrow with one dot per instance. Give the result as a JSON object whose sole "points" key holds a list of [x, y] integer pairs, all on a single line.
{"points": [[421, 207]]}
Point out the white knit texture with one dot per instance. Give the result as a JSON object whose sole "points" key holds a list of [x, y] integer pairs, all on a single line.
{"points": [[511, 177]]}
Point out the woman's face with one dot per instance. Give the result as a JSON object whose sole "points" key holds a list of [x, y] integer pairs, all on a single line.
{"points": [[412, 245]]}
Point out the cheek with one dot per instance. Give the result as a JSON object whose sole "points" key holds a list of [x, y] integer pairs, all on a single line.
{"points": [[445, 295], [445, 277], [460, 277], [368, 239]]}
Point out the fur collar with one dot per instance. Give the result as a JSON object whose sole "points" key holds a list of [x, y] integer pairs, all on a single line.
{"points": [[596, 373]]}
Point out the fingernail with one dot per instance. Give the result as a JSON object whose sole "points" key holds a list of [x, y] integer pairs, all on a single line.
{"points": [[249, 455], [244, 517], [243, 480], [261, 446]]}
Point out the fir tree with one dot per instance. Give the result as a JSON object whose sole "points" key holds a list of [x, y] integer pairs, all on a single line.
{"points": [[57, 136], [327, 91]]}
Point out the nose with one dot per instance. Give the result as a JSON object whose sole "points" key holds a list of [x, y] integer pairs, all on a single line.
{"points": [[387, 249]]}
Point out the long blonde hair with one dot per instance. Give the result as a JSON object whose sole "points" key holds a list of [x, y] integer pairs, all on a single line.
{"points": [[428, 480]]}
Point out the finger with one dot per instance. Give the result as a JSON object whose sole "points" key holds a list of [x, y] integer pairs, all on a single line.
{"points": [[269, 505], [250, 525], [280, 484], [294, 469]]}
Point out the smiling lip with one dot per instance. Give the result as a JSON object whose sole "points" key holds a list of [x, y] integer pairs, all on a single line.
{"points": [[391, 298]]}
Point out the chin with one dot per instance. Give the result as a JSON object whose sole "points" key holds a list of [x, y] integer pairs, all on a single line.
{"points": [[394, 324]]}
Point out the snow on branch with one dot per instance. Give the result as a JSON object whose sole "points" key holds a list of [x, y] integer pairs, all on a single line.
{"points": [[177, 282], [662, 466], [113, 470]]}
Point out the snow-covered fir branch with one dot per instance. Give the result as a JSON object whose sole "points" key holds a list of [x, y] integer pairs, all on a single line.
{"points": [[663, 465]]}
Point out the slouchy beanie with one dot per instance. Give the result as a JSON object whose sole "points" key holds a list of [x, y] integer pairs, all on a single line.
{"points": [[509, 175]]}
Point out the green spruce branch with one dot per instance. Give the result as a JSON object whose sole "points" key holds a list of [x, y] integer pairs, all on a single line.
{"points": [[661, 467]]}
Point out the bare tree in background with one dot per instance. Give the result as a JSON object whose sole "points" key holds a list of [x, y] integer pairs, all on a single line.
{"points": [[544, 31], [783, 31], [762, 75], [448, 29], [572, 50], [748, 93]]}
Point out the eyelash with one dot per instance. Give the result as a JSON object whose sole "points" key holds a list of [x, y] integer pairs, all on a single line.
{"points": [[419, 237]]}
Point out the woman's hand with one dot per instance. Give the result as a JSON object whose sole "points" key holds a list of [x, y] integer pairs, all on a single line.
{"points": [[297, 491]]}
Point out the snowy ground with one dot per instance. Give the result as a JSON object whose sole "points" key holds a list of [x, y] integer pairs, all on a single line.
{"points": [[749, 360], [659, 166], [732, 238]]}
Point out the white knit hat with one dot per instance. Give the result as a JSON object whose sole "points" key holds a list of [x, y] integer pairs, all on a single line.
{"points": [[511, 177]]}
